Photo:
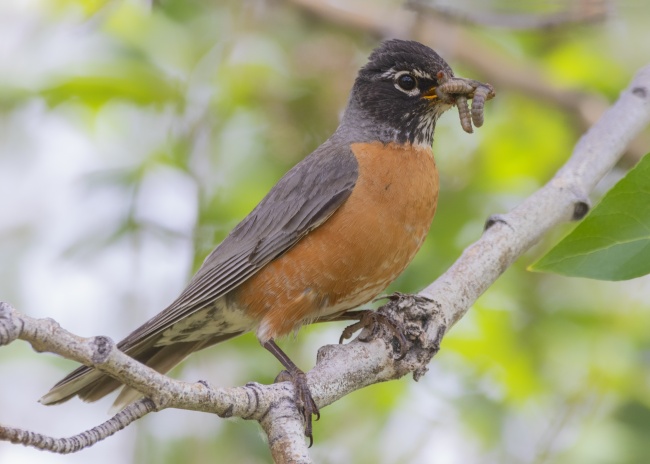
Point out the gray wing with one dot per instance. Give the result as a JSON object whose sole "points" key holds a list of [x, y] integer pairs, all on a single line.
{"points": [[301, 201]]}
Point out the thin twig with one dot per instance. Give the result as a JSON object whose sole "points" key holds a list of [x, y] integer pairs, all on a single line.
{"points": [[83, 440]]}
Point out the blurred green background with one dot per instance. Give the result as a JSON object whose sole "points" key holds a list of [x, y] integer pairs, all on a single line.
{"points": [[134, 136]]}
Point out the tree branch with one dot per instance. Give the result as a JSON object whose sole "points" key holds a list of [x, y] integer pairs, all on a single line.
{"points": [[591, 12], [83, 440], [342, 369], [564, 197]]}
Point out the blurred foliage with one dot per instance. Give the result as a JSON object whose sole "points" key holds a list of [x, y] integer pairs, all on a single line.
{"points": [[194, 109]]}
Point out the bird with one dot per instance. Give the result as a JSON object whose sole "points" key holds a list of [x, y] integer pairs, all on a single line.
{"points": [[331, 235]]}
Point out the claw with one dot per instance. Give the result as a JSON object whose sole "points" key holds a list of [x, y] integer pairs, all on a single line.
{"points": [[372, 320], [303, 399], [304, 402]]}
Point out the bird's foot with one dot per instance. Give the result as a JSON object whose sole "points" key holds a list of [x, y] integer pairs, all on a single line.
{"points": [[372, 321], [303, 399]]}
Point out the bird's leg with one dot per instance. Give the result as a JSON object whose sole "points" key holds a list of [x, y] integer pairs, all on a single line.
{"points": [[372, 320], [304, 401]]}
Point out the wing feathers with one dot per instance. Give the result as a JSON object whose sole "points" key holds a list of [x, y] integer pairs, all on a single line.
{"points": [[301, 201]]}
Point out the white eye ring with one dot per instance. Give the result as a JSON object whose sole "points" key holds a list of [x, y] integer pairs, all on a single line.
{"points": [[415, 91]]}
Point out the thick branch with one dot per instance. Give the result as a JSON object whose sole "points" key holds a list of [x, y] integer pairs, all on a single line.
{"points": [[285, 431], [341, 369]]}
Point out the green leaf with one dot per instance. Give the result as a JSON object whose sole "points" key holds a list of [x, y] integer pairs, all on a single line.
{"points": [[613, 241]]}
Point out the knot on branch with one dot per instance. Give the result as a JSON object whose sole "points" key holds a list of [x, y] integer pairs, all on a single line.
{"points": [[580, 209], [496, 219], [102, 347], [418, 315], [9, 330]]}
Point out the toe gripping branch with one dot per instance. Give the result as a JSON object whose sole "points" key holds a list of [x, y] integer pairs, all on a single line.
{"points": [[457, 90], [304, 401], [407, 319], [373, 321]]}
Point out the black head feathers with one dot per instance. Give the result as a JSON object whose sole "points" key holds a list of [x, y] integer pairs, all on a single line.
{"points": [[403, 54], [393, 98]]}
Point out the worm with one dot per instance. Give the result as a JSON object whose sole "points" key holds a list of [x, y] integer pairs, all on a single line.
{"points": [[456, 86], [458, 90], [481, 94], [463, 112]]}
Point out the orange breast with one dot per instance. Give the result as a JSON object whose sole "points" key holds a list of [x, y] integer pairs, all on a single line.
{"points": [[358, 251]]}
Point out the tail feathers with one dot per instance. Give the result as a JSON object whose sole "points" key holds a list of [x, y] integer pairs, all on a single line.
{"points": [[91, 385], [79, 380]]}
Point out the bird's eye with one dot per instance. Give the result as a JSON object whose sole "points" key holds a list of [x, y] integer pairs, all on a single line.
{"points": [[406, 82]]}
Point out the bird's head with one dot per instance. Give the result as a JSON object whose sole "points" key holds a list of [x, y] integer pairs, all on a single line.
{"points": [[395, 96]]}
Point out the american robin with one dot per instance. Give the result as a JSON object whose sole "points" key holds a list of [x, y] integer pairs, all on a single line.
{"points": [[333, 233]]}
